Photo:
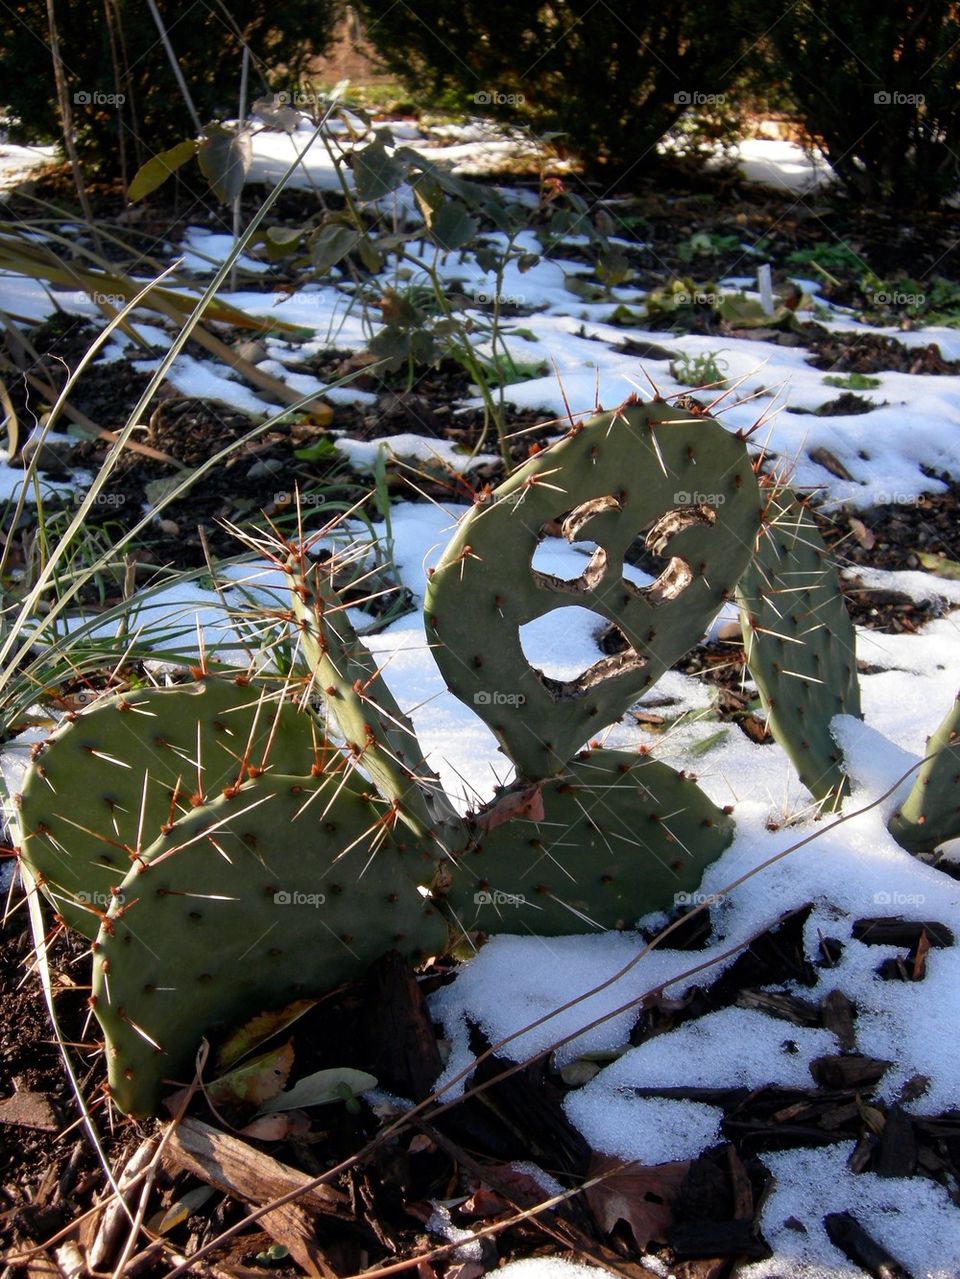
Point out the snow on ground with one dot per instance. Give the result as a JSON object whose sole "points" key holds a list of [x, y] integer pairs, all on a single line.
{"points": [[852, 868]]}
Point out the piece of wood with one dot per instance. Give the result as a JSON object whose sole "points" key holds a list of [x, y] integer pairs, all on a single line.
{"points": [[801, 1012], [248, 1174], [897, 1156], [855, 1071], [401, 1047], [893, 931], [846, 1233], [119, 1210], [837, 1013], [716, 1239]]}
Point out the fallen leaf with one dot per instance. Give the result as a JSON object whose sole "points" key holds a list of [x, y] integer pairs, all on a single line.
{"points": [[163, 1222], [291, 1123], [861, 533], [320, 1089], [255, 1082], [823, 457], [484, 1202], [642, 1197], [258, 1030], [940, 565], [920, 960]]}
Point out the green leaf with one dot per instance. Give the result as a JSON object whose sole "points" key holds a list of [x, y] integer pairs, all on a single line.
{"points": [[156, 490], [321, 451], [526, 261], [949, 569], [707, 743], [320, 1089], [429, 197], [583, 288], [224, 156], [331, 244], [156, 170], [853, 381], [284, 236], [375, 172], [453, 226], [369, 255]]}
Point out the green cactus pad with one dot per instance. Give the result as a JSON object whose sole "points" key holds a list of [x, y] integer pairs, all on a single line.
{"points": [[282, 889], [104, 784], [379, 735], [800, 643], [676, 478], [930, 815], [620, 835]]}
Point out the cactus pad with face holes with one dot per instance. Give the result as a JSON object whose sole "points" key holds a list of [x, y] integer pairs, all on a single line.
{"points": [[103, 785], [620, 835], [681, 482], [930, 815], [800, 643], [282, 889]]}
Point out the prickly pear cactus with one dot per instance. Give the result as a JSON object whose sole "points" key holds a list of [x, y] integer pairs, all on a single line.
{"points": [[930, 815], [283, 887], [103, 785], [614, 837], [379, 736], [800, 643], [640, 470]]}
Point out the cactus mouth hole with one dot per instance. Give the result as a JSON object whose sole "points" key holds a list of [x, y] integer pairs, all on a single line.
{"points": [[568, 679]]}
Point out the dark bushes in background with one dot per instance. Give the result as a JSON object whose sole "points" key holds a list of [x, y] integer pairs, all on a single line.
{"points": [[877, 85], [125, 101], [612, 78]]}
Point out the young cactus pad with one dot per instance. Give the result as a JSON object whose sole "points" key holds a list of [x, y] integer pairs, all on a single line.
{"points": [[620, 835], [682, 482], [379, 736], [800, 643], [104, 784], [283, 888], [930, 815]]}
